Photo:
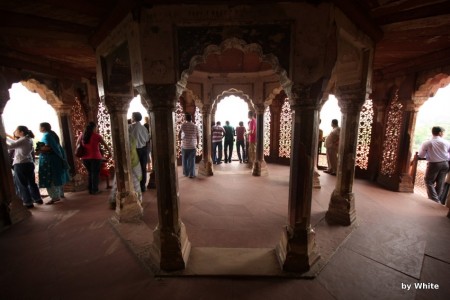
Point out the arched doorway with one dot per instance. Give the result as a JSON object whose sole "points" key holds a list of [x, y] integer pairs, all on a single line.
{"points": [[28, 109], [330, 110], [234, 110], [434, 112]]}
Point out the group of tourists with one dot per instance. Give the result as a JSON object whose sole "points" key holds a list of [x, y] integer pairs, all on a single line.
{"points": [[53, 168]]}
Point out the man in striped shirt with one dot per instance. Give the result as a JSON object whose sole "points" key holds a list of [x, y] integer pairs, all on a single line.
{"points": [[189, 137], [217, 135]]}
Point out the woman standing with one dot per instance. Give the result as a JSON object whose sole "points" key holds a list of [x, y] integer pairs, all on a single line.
{"points": [[23, 164], [53, 171], [92, 160]]}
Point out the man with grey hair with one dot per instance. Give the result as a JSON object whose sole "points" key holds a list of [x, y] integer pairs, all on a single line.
{"points": [[142, 137], [437, 152]]}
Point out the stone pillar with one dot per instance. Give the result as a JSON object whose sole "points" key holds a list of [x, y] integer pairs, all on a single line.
{"points": [[406, 182], [296, 251], [67, 137], [205, 167], [259, 165], [341, 209], [170, 239], [11, 207], [128, 206]]}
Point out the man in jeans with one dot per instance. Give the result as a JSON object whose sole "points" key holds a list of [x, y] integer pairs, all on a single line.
{"points": [[437, 152], [240, 141], [189, 138], [229, 141], [142, 137], [251, 139], [217, 135]]}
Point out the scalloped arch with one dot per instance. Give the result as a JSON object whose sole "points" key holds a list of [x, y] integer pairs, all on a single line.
{"points": [[275, 92], [44, 92], [232, 92], [430, 87], [234, 43]]}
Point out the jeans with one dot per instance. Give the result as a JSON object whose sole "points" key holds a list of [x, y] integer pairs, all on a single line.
{"points": [[240, 144], [217, 157], [434, 179], [26, 184], [228, 150], [93, 168], [188, 159], [143, 159]]}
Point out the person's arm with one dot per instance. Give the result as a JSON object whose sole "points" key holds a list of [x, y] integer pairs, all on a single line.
{"points": [[423, 150]]}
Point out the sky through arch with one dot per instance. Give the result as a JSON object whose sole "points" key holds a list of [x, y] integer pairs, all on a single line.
{"points": [[233, 109], [28, 109]]}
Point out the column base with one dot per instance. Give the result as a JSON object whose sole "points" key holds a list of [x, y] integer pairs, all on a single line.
{"points": [[77, 183], [205, 168], [296, 251], [172, 249], [260, 168], [152, 181], [316, 180], [130, 209], [17, 211], [405, 184], [341, 209]]}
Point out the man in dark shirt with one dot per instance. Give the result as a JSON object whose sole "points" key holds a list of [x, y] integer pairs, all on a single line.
{"points": [[229, 141]]}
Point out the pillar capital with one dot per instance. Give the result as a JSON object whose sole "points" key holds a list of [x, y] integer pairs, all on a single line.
{"points": [[306, 97], [206, 109], [351, 98], [159, 96], [260, 108], [117, 103]]}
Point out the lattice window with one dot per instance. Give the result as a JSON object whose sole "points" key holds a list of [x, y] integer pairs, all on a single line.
{"points": [[267, 131], [364, 135], [391, 137], [285, 130], [179, 120], [78, 124], [104, 129], [199, 123]]}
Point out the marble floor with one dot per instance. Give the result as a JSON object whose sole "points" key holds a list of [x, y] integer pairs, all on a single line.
{"points": [[399, 248]]}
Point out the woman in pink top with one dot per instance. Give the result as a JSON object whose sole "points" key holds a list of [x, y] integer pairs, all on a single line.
{"points": [[91, 140]]}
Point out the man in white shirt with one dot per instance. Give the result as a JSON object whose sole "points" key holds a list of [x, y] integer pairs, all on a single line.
{"points": [[332, 146], [437, 152], [189, 137], [142, 137]]}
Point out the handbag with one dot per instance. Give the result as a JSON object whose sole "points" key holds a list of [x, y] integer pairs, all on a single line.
{"points": [[80, 150]]}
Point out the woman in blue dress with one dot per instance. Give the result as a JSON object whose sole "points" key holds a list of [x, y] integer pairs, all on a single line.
{"points": [[53, 170]]}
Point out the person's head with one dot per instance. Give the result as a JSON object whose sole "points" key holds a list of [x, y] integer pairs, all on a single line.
{"points": [[334, 123], [146, 119], [251, 114], [90, 128], [218, 123], [241, 123], [437, 131], [136, 116], [22, 131], [227, 122], [188, 117], [45, 127]]}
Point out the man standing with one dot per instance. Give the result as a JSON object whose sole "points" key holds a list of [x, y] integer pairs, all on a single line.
{"points": [[189, 136], [332, 146], [142, 137], [437, 153], [229, 141], [240, 141], [251, 138], [217, 135]]}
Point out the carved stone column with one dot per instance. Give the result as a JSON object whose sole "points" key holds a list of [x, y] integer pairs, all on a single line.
{"points": [[341, 209], [67, 137], [406, 182], [259, 165], [11, 208], [205, 167], [297, 249], [128, 206], [170, 239]]}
